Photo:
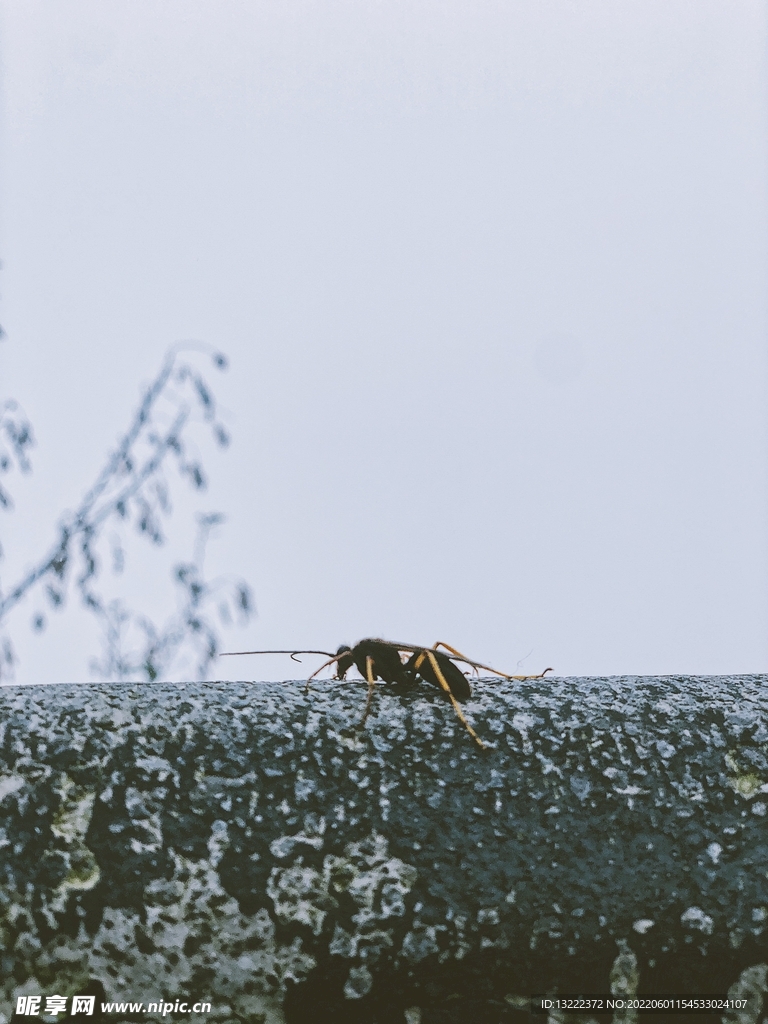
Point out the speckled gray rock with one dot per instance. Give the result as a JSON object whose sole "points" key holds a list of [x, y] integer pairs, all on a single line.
{"points": [[246, 844]]}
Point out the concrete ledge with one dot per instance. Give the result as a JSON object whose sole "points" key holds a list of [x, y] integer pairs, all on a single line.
{"points": [[245, 844]]}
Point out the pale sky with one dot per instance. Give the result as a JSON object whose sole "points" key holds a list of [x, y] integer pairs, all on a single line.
{"points": [[492, 280]]}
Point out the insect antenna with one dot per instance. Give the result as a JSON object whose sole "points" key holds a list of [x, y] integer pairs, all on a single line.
{"points": [[228, 654]]}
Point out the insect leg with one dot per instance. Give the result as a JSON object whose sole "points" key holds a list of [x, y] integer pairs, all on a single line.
{"points": [[479, 664], [474, 664], [456, 708], [539, 676], [331, 661], [371, 684]]}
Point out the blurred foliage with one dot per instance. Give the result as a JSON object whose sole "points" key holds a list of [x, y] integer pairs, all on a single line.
{"points": [[133, 488]]}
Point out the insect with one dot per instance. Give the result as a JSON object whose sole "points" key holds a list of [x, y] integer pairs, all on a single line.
{"points": [[384, 659]]}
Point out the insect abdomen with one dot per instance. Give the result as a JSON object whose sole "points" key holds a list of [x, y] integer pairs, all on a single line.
{"points": [[421, 664]]}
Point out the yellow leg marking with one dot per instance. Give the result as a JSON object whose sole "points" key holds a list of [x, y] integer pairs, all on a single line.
{"points": [[474, 665], [456, 708], [371, 684], [449, 648]]}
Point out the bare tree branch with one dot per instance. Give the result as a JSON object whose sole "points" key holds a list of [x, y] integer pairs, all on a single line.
{"points": [[190, 625], [15, 438], [132, 485]]}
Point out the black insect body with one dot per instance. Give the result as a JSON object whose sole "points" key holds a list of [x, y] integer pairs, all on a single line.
{"points": [[385, 661], [403, 664], [388, 665]]}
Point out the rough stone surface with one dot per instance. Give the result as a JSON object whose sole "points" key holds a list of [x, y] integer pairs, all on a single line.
{"points": [[246, 844]]}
